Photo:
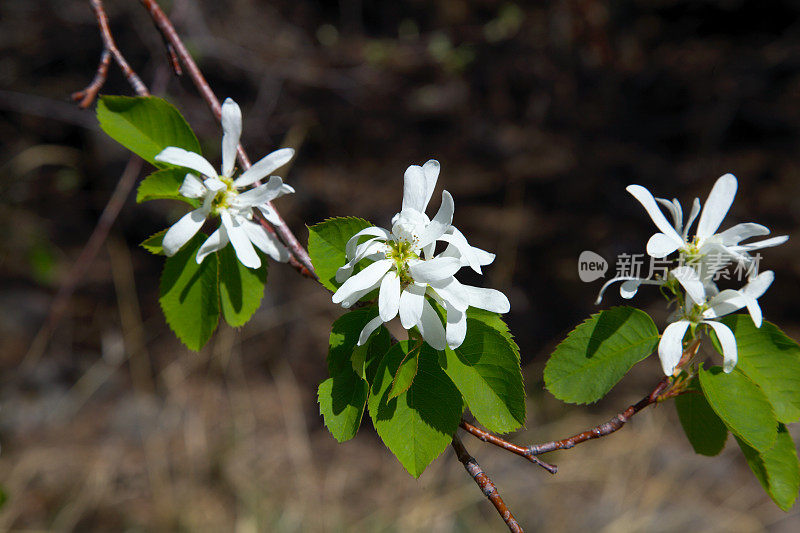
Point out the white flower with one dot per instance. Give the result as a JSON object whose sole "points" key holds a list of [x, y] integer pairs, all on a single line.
{"points": [[675, 236], [405, 269], [706, 252], [670, 348], [225, 196]]}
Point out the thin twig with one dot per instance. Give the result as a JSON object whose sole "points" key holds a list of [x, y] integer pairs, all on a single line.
{"points": [[522, 451], [606, 428], [486, 485], [171, 36], [88, 95]]}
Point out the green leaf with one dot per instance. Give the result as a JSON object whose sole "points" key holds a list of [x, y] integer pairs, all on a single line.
{"points": [[341, 403], [189, 295], [777, 469], [405, 374], [494, 321], [343, 396], [153, 243], [419, 424], [240, 288], [598, 353], [164, 185], [326, 246], [145, 125], [741, 404], [485, 368], [343, 353], [704, 429], [772, 360]]}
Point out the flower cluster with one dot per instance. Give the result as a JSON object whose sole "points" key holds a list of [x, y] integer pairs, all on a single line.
{"points": [[701, 301], [407, 271], [232, 200]]}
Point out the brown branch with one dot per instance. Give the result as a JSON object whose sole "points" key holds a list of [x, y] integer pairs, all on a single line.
{"points": [[486, 485], [172, 38], [88, 95], [522, 451], [606, 428]]}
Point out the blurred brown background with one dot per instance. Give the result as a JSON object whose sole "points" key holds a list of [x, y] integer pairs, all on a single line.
{"points": [[540, 115]]}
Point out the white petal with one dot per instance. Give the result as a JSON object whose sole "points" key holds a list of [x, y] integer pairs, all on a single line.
{"points": [[270, 215], [411, 303], [459, 247], [374, 246], [418, 185], [217, 241], [649, 204], [674, 209], [692, 215], [431, 170], [766, 243], [215, 185], [434, 269], [389, 296], [184, 158], [487, 299], [241, 242], [371, 326], [759, 285], [183, 230], [364, 279], [691, 282], [670, 347], [261, 194], [264, 167], [661, 245], [452, 292], [456, 330], [431, 328], [740, 232], [728, 342], [724, 303], [266, 242], [754, 309], [192, 187], [440, 223], [232, 130], [352, 243], [719, 201]]}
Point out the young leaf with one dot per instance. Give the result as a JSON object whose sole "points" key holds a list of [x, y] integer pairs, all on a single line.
{"points": [[145, 125], [741, 405], [598, 353], [163, 185], [777, 469], [326, 246], [343, 396], [704, 429], [405, 373], [772, 360], [240, 288], [485, 368], [153, 243], [189, 295], [419, 424]]}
